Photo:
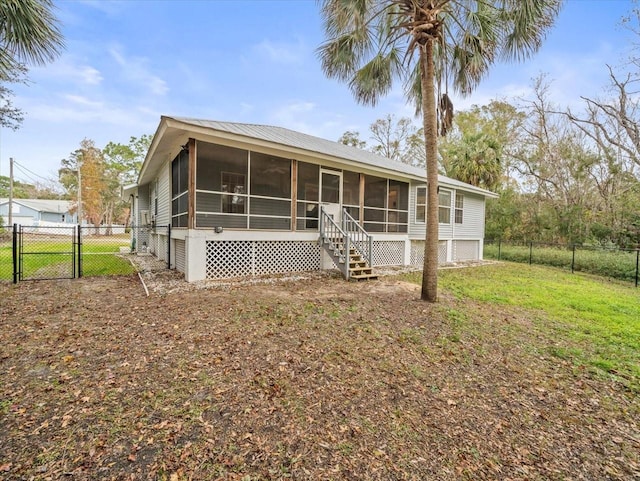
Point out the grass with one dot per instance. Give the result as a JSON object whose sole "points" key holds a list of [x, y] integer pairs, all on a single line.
{"points": [[589, 321], [51, 258], [617, 264]]}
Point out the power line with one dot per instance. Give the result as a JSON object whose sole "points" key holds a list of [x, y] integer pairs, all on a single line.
{"points": [[23, 168]]}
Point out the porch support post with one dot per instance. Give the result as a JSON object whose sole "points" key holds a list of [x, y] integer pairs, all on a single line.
{"points": [[361, 201], [294, 193], [191, 209], [196, 256], [407, 252]]}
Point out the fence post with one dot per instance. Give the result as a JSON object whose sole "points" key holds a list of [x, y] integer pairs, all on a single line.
{"points": [[499, 248], [79, 250], [169, 246], [530, 252], [637, 264], [15, 254], [573, 258]]}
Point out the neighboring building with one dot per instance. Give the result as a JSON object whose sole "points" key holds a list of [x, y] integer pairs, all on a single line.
{"points": [[38, 212], [247, 199]]}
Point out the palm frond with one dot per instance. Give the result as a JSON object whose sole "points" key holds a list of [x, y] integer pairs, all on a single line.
{"points": [[29, 33]]}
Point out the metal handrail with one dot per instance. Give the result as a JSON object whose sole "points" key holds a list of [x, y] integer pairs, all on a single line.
{"points": [[360, 238], [331, 233]]}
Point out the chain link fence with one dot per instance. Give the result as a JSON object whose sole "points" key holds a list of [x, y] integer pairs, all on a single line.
{"points": [[38, 252], [6, 253], [623, 264]]}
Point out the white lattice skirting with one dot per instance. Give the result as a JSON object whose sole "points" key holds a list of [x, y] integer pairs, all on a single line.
{"points": [[388, 253], [226, 259], [466, 250], [417, 253]]}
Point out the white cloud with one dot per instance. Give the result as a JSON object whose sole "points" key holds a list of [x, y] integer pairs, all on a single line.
{"points": [[83, 101], [90, 75], [286, 53], [136, 71], [293, 116], [68, 69]]}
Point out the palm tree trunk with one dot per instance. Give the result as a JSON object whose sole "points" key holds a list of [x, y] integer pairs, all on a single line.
{"points": [[430, 269]]}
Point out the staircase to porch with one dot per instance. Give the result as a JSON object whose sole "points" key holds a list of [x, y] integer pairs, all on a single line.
{"points": [[349, 245]]}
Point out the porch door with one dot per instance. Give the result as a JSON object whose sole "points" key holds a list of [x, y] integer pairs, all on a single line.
{"points": [[330, 193]]}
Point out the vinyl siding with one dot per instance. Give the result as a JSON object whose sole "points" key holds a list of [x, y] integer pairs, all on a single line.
{"points": [[416, 230], [164, 196], [143, 201], [472, 226]]}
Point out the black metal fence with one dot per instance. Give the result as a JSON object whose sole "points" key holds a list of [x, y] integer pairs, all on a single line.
{"points": [[39, 252], [623, 264]]}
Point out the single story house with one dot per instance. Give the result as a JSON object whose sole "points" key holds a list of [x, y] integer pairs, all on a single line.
{"points": [[246, 200], [42, 212]]}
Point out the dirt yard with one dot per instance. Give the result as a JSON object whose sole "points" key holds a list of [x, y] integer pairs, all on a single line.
{"points": [[312, 379]]}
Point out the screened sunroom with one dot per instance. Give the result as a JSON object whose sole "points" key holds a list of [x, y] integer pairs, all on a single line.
{"points": [[244, 189]]}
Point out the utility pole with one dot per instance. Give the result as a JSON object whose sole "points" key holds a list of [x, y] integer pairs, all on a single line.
{"points": [[11, 192], [79, 193]]}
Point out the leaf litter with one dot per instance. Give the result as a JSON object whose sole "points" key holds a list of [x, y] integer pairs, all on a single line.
{"points": [[311, 379]]}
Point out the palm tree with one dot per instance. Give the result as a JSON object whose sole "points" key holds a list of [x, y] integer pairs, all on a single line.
{"points": [[29, 34], [370, 43], [476, 160]]}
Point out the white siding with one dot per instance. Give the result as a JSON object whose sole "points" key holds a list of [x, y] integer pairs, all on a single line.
{"points": [[415, 230], [445, 231], [164, 196], [143, 200], [472, 226]]}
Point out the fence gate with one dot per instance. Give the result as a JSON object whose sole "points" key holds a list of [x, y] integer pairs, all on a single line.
{"points": [[46, 252]]}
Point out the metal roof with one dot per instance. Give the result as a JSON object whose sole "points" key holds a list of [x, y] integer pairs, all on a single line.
{"points": [[43, 205], [292, 139]]}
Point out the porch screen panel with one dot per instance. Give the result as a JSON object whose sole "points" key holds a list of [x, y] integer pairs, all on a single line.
{"points": [[179, 188], [270, 192], [375, 196], [307, 206], [221, 186], [398, 206], [351, 193]]}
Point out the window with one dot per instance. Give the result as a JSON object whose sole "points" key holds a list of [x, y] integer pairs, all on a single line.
{"points": [[239, 189], [221, 186], [421, 205], [386, 205], [444, 207], [397, 206], [234, 202], [270, 176], [307, 208], [459, 208], [179, 188]]}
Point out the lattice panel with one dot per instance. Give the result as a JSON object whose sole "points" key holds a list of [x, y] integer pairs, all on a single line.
{"points": [[180, 255], [417, 253], [227, 259], [442, 252], [278, 257], [466, 250], [388, 253]]}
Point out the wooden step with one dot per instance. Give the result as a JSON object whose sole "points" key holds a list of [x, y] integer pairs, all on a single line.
{"points": [[363, 277]]}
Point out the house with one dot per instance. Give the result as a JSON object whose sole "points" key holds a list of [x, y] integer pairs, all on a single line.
{"points": [[245, 200], [38, 212]]}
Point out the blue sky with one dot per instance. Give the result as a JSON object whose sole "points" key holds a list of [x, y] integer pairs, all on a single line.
{"points": [[128, 62]]}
